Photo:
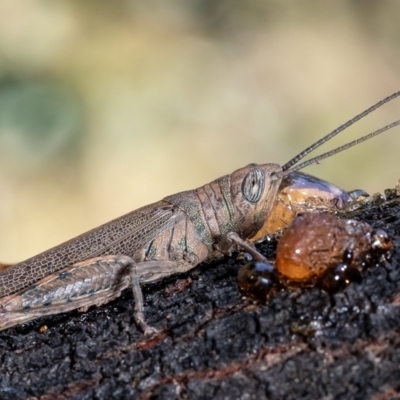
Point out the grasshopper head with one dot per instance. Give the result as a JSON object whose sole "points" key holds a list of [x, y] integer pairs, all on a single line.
{"points": [[253, 191]]}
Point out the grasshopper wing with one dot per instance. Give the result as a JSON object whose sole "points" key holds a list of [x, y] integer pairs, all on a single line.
{"points": [[124, 235]]}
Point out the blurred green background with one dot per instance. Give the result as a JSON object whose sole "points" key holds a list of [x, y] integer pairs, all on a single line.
{"points": [[106, 106]]}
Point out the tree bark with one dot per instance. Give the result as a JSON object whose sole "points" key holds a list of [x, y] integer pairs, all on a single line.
{"points": [[215, 344]]}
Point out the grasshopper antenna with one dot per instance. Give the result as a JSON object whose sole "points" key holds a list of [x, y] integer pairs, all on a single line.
{"points": [[341, 128], [346, 146]]}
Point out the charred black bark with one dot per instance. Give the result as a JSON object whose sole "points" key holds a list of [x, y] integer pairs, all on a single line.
{"points": [[216, 345]]}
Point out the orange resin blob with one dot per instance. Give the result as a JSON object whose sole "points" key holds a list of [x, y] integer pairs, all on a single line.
{"points": [[316, 243], [299, 193]]}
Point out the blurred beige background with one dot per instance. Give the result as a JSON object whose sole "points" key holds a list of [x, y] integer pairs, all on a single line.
{"points": [[106, 106]]}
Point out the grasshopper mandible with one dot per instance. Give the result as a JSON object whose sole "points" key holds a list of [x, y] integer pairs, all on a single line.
{"points": [[170, 236]]}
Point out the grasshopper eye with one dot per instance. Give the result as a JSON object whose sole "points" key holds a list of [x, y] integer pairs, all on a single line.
{"points": [[253, 185]]}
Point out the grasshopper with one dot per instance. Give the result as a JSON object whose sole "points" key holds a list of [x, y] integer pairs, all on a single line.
{"points": [[167, 237]]}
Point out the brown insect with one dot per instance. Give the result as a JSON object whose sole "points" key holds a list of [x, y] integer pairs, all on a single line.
{"points": [[259, 280], [155, 241]]}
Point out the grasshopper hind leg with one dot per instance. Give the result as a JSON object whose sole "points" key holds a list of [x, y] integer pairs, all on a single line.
{"points": [[151, 271], [139, 303], [89, 283]]}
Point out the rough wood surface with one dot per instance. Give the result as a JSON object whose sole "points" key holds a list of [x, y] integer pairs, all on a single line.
{"points": [[214, 344]]}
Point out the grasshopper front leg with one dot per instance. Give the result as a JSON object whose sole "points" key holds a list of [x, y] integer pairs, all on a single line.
{"points": [[90, 283], [233, 239]]}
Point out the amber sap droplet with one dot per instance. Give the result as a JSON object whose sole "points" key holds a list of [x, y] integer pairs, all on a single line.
{"points": [[317, 243], [257, 279], [299, 193]]}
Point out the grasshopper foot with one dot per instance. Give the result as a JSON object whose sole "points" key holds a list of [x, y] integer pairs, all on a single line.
{"points": [[147, 329], [150, 330]]}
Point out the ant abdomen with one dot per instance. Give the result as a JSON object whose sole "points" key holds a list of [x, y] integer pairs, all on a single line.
{"points": [[258, 279]]}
